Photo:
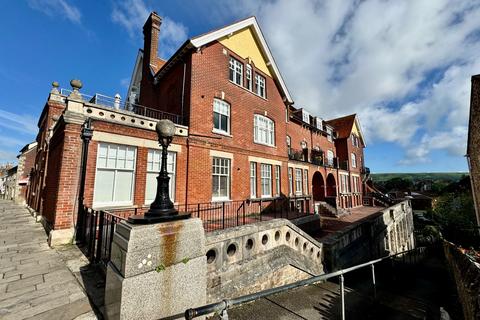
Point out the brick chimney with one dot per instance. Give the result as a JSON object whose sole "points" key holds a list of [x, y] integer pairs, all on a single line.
{"points": [[151, 31]]}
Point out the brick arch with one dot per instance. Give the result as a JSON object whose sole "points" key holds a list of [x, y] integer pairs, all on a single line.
{"points": [[318, 187], [331, 189]]}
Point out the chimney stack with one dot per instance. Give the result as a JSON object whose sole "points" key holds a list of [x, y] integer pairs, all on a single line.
{"points": [[151, 31]]}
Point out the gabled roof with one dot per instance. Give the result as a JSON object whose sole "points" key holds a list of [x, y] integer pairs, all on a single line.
{"points": [[204, 39], [344, 126]]}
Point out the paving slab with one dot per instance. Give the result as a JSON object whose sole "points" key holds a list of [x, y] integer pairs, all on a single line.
{"points": [[35, 281]]}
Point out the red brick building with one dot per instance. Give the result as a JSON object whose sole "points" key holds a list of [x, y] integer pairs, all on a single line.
{"points": [[238, 136]]}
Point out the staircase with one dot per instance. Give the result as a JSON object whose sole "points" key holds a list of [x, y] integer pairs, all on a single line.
{"points": [[328, 210]]}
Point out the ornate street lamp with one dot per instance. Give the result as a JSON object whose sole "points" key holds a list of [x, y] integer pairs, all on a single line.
{"points": [[162, 209]]}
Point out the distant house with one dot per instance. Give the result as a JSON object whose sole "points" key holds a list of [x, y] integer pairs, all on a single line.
{"points": [[473, 144]]}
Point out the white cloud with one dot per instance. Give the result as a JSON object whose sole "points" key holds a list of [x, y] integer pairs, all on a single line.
{"points": [[58, 9], [132, 14], [24, 123], [403, 66]]}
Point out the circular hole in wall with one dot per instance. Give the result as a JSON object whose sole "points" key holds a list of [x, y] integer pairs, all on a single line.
{"points": [[89, 111], [296, 242], [311, 251], [133, 120], [264, 239], [101, 114], [277, 235], [318, 254], [112, 116], [232, 248], [181, 131], [287, 236], [142, 122], [123, 118], [211, 256], [151, 124], [304, 246], [249, 244]]}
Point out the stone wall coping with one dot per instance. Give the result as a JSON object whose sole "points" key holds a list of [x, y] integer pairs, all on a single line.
{"points": [[240, 231]]}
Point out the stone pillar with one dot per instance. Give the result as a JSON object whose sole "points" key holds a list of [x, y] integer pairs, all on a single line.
{"points": [[156, 270]]}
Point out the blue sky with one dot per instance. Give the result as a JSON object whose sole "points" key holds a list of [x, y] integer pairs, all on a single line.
{"points": [[403, 66]]}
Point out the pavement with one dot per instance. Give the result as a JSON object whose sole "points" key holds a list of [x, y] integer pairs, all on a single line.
{"points": [[35, 280]]}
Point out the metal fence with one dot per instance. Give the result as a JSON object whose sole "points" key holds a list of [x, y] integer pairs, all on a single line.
{"points": [[97, 227], [117, 103]]}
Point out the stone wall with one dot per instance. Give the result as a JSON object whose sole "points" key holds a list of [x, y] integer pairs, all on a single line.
{"points": [[385, 233], [467, 278], [259, 256]]}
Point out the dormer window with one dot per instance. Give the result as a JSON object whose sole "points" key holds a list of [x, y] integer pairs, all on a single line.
{"points": [[305, 116], [236, 71], [260, 85], [319, 123]]}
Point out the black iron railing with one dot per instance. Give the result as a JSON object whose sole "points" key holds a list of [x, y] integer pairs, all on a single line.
{"points": [[98, 226]]}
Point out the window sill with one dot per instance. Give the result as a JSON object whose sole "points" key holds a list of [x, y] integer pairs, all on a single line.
{"points": [[221, 200], [250, 91], [103, 206], [223, 133], [266, 145]]}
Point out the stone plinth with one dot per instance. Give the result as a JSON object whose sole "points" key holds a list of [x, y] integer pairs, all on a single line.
{"points": [[156, 270]]}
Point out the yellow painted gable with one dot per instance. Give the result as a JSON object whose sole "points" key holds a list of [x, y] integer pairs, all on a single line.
{"points": [[355, 129], [244, 44]]}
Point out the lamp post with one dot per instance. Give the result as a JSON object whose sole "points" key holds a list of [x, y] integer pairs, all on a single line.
{"points": [[162, 209]]}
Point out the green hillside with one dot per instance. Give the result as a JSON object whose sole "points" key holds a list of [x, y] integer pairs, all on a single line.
{"points": [[434, 176]]}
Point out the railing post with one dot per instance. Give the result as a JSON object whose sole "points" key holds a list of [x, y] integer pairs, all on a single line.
{"points": [[243, 204], [238, 218], [373, 280], [198, 210], [223, 215], [342, 296], [260, 210], [274, 208], [100, 236]]}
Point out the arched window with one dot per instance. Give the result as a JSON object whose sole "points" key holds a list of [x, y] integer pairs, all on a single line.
{"points": [[354, 160], [263, 130]]}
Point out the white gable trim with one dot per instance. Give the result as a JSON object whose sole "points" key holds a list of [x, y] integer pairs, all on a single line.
{"points": [[220, 33]]}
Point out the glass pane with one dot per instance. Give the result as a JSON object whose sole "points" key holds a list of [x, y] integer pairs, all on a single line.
{"points": [[104, 186], [151, 187], [216, 120], [215, 186], [223, 186], [102, 150], [223, 123], [123, 186]]}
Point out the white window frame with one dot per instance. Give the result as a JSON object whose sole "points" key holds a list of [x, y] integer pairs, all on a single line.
{"points": [[277, 180], [329, 134], [266, 180], [260, 85], [354, 160], [248, 77], [115, 169], [298, 182], [263, 130], [253, 179], [330, 157], [305, 116], [221, 165], [344, 183], [222, 108], [154, 169], [305, 180], [290, 181], [236, 71]]}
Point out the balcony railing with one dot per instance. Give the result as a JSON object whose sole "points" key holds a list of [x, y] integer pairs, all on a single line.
{"points": [[365, 170], [316, 158], [118, 103]]}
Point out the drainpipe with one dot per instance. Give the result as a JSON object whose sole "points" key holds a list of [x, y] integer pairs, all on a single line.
{"points": [[86, 136], [183, 89]]}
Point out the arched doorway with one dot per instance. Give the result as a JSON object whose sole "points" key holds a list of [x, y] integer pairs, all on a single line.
{"points": [[331, 186], [318, 187]]}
